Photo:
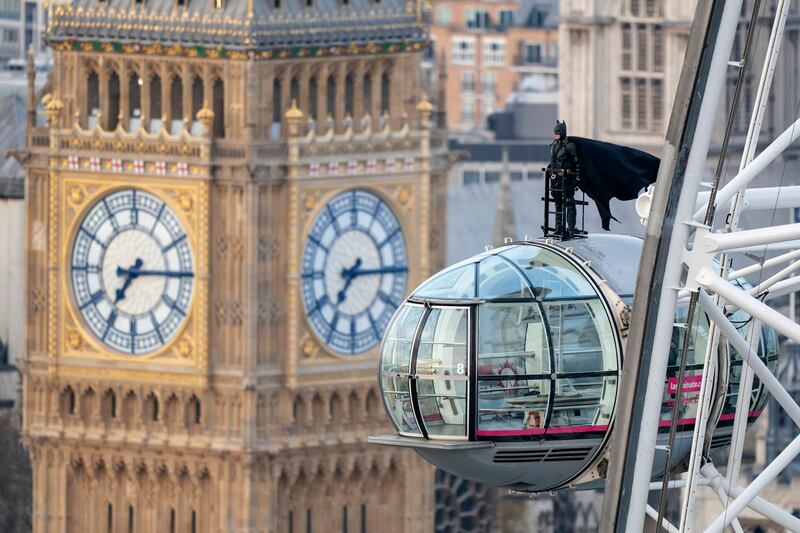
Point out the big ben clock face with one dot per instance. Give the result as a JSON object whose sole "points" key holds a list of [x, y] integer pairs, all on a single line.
{"points": [[132, 271], [354, 272]]}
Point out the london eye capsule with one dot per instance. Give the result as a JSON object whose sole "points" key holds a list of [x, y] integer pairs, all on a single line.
{"points": [[505, 368]]}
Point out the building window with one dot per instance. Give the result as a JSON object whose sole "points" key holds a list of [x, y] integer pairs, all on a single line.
{"points": [[430, 52], [657, 100], [471, 177], [467, 111], [627, 47], [626, 104], [444, 15], [533, 53], [468, 81], [113, 101], [494, 51], [219, 108], [464, 50], [478, 18], [492, 177], [515, 175], [488, 84], [658, 49], [506, 18], [641, 104]]}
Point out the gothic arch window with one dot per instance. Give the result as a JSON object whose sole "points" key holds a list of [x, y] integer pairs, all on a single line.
{"points": [[219, 108], [67, 401], [385, 92], [354, 407], [298, 410], [135, 99], [172, 412], [151, 407], [113, 101], [176, 99], [348, 94], [108, 406], [92, 97], [318, 410], [372, 403], [312, 91], [294, 90], [87, 404], [130, 519], [331, 96], [156, 111], [276, 100], [194, 411], [335, 410], [367, 91], [197, 96], [129, 408]]}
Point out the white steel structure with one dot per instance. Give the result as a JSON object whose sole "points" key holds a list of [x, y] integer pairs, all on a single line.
{"points": [[697, 274]]}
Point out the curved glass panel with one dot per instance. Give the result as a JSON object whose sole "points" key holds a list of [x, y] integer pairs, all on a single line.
{"points": [[497, 278], [442, 372], [395, 365], [396, 349], [767, 351], [443, 344], [450, 284], [584, 353], [398, 404], [693, 375], [512, 340], [551, 276]]}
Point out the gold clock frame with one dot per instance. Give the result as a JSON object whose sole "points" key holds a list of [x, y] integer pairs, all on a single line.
{"points": [[399, 196], [186, 352]]}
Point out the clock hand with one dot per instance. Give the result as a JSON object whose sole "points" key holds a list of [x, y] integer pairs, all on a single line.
{"points": [[384, 270], [129, 274], [167, 273], [348, 279]]}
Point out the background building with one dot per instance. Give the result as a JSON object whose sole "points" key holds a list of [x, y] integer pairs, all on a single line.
{"points": [[193, 361], [488, 48]]}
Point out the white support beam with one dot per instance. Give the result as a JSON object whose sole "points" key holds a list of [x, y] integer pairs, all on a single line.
{"points": [[775, 278], [767, 248], [712, 282], [766, 509], [769, 263], [761, 198], [782, 288], [652, 513], [760, 483], [717, 242], [770, 154]]}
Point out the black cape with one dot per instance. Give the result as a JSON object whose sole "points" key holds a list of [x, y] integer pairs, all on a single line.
{"points": [[613, 171]]}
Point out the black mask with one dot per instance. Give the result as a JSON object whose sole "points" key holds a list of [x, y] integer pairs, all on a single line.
{"points": [[561, 129]]}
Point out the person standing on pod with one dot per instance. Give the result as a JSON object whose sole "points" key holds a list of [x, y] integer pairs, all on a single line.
{"points": [[563, 170]]}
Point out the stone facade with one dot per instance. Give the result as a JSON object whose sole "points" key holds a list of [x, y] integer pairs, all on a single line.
{"points": [[244, 420]]}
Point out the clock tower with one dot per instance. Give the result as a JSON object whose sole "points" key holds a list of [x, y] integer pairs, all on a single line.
{"points": [[226, 200]]}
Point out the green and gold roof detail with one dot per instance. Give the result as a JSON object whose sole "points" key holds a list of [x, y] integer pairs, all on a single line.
{"points": [[198, 28]]}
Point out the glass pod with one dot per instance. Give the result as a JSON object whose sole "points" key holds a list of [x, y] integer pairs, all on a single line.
{"points": [[504, 368]]}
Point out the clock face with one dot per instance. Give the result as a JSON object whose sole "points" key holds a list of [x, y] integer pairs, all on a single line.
{"points": [[355, 270], [132, 271]]}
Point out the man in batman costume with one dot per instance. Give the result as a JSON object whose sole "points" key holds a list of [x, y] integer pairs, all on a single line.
{"points": [[602, 170], [563, 170]]}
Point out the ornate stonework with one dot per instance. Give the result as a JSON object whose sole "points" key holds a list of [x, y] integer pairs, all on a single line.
{"points": [[244, 419]]}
